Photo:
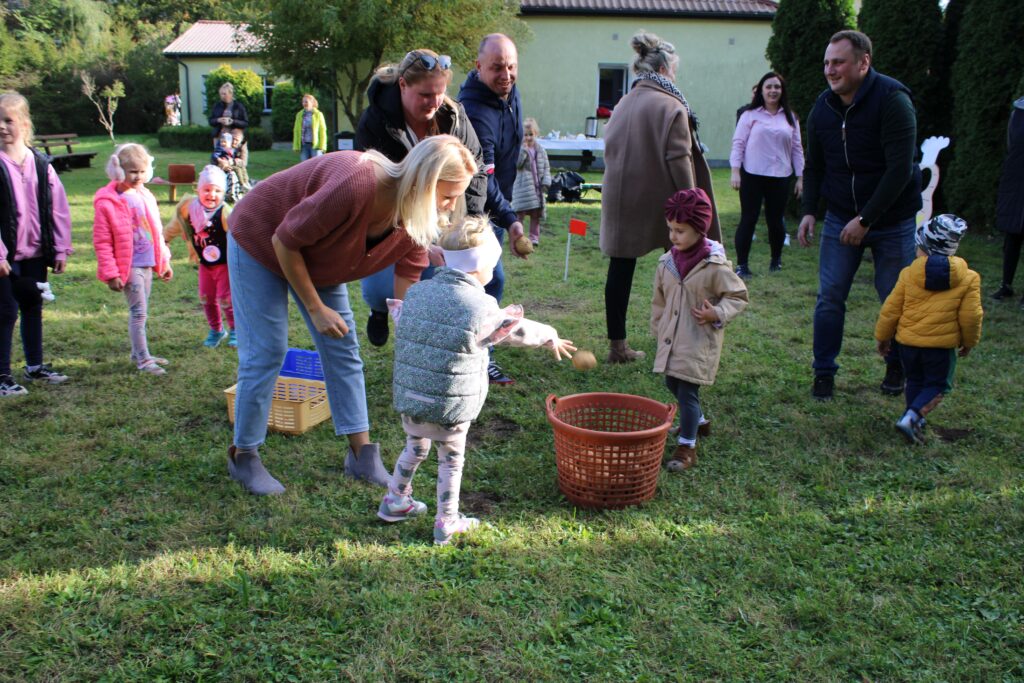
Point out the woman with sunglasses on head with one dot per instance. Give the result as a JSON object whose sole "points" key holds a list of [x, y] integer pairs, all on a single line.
{"points": [[407, 104]]}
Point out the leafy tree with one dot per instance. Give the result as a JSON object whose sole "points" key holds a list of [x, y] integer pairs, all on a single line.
{"points": [[335, 47], [989, 63], [908, 43], [248, 90], [800, 33]]}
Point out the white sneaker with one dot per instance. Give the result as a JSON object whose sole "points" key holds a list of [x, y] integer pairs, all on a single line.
{"points": [[445, 529], [399, 508], [8, 387]]}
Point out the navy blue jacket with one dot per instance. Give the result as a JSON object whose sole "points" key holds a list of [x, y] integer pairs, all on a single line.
{"points": [[861, 158], [499, 126]]}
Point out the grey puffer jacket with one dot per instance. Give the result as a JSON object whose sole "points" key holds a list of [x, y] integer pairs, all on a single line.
{"points": [[443, 330]]}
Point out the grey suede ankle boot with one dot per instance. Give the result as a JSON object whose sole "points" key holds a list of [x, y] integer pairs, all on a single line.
{"points": [[368, 466], [619, 352], [247, 469]]}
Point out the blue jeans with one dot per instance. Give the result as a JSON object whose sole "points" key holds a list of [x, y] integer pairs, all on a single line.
{"points": [[929, 374], [380, 287], [306, 151], [892, 249], [496, 287], [260, 299]]}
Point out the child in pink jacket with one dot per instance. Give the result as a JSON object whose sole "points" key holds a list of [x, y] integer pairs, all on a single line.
{"points": [[129, 242]]}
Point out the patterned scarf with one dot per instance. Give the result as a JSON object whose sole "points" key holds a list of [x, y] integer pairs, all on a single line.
{"points": [[669, 87]]}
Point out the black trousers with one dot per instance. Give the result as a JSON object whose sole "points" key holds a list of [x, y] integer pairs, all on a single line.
{"points": [[18, 292], [616, 295], [754, 191], [1011, 255]]}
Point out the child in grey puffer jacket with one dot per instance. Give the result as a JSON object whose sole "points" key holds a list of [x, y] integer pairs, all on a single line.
{"points": [[443, 330]]}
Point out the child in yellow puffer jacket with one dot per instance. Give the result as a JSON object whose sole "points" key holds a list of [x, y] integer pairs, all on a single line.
{"points": [[934, 309]]}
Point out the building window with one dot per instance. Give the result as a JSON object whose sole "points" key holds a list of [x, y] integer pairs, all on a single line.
{"points": [[268, 93], [612, 81]]}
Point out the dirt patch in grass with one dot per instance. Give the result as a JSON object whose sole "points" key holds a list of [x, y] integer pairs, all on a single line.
{"points": [[495, 428], [479, 502], [951, 434]]}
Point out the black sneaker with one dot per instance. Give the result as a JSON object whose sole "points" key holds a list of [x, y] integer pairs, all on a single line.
{"points": [[743, 271], [892, 385], [775, 267], [823, 387], [497, 376], [377, 328], [8, 387], [1004, 292], [44, 373]]}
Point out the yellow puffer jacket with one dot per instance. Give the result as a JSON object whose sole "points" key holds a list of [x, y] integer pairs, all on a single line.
{"points": [[936, 304]]}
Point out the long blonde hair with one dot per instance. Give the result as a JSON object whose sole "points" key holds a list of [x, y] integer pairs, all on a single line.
{"points": [[16, 105], [439, 157]]}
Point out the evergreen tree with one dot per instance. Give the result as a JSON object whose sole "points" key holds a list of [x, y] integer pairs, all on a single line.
{"points": [[989, 63], [943, 116], [908, 42], [800, 33]]}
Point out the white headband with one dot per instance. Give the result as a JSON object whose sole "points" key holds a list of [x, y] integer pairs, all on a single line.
{"points": [[477, 258]]}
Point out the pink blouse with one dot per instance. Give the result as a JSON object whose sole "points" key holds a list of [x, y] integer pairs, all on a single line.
{"points": [[25, 189], [765, 144]]}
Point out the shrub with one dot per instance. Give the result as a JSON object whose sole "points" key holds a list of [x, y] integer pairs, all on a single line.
{"points": [[248, 90], [800, 33], [287, 100], [988, 66], [908, 45], [199, 138]]}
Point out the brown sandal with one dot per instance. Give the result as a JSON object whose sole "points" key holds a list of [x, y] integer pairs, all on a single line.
{"points": [[683, 458]]}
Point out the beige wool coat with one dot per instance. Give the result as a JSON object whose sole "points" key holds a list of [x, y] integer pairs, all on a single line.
{"points": [[650, 153], [687, 350]]}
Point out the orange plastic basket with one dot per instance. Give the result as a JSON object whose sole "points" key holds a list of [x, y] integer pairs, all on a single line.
{"points": [[298, 405], [608, 447]]}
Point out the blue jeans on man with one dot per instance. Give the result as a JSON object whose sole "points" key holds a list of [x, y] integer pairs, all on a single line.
{"points": [[892, 249]]}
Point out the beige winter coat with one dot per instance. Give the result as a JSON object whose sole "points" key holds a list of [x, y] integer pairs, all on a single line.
{"points": [[686, 349], [649, 154]]}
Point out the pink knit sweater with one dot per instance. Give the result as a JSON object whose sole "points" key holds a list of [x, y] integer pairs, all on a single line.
{"points": [[321, 208]]}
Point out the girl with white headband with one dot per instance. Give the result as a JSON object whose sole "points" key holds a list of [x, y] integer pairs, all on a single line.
{"points": [[443, 330]]}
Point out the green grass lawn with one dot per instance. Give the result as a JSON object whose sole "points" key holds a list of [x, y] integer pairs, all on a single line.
{"points": [[810, 543]]}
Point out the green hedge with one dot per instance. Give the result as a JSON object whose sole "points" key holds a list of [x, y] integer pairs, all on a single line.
{"points": [[286, 101], [200, 138]]}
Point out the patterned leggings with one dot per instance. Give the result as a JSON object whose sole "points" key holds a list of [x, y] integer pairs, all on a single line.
{"points": [[451, 455]]}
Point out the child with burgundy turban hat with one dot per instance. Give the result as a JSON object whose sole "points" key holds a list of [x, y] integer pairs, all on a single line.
{"points": [[696, 293]]}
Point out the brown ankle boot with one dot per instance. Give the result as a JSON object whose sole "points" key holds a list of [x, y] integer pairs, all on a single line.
{"points": [[683, 458], [621, 353]]}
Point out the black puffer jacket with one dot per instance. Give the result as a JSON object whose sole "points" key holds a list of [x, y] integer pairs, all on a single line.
{"points": [[1010, 202], [382, 127]]}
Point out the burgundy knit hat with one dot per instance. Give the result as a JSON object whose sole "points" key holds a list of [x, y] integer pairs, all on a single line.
{"points": [[690, 206]]}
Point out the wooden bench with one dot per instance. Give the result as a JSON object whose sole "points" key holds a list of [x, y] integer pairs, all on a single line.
{"points": [[64, 161], [177, 175]]}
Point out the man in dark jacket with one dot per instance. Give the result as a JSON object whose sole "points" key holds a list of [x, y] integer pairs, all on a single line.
{"points": [[1010, 201], [408, 103], [491, 99], [861, 138]]}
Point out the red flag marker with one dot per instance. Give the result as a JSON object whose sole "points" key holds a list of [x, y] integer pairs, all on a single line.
{"points": [[577, 227]]}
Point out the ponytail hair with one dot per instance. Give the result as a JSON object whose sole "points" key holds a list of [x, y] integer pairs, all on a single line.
{"points": [[652, 53]]}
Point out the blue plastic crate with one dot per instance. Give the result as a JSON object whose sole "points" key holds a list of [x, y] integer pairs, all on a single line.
{"points": [[302, 364]]}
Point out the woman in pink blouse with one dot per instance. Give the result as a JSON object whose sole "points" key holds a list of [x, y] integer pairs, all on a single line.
{"points": [[766, 153]]}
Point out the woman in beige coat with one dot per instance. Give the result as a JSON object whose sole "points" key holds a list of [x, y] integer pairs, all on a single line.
{"points": [[651, 151]]}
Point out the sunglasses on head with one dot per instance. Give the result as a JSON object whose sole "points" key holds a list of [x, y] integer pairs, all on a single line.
{"points": [[430, 63]]}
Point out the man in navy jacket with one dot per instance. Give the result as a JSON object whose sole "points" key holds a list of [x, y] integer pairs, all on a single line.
{"points": [[491, 100], [861, 139]]}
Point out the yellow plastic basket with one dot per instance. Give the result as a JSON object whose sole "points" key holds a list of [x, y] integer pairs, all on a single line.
{"points": [[298, 405]]}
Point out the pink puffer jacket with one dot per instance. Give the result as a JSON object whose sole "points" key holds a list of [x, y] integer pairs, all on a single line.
{"points": [[112, 233]]}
